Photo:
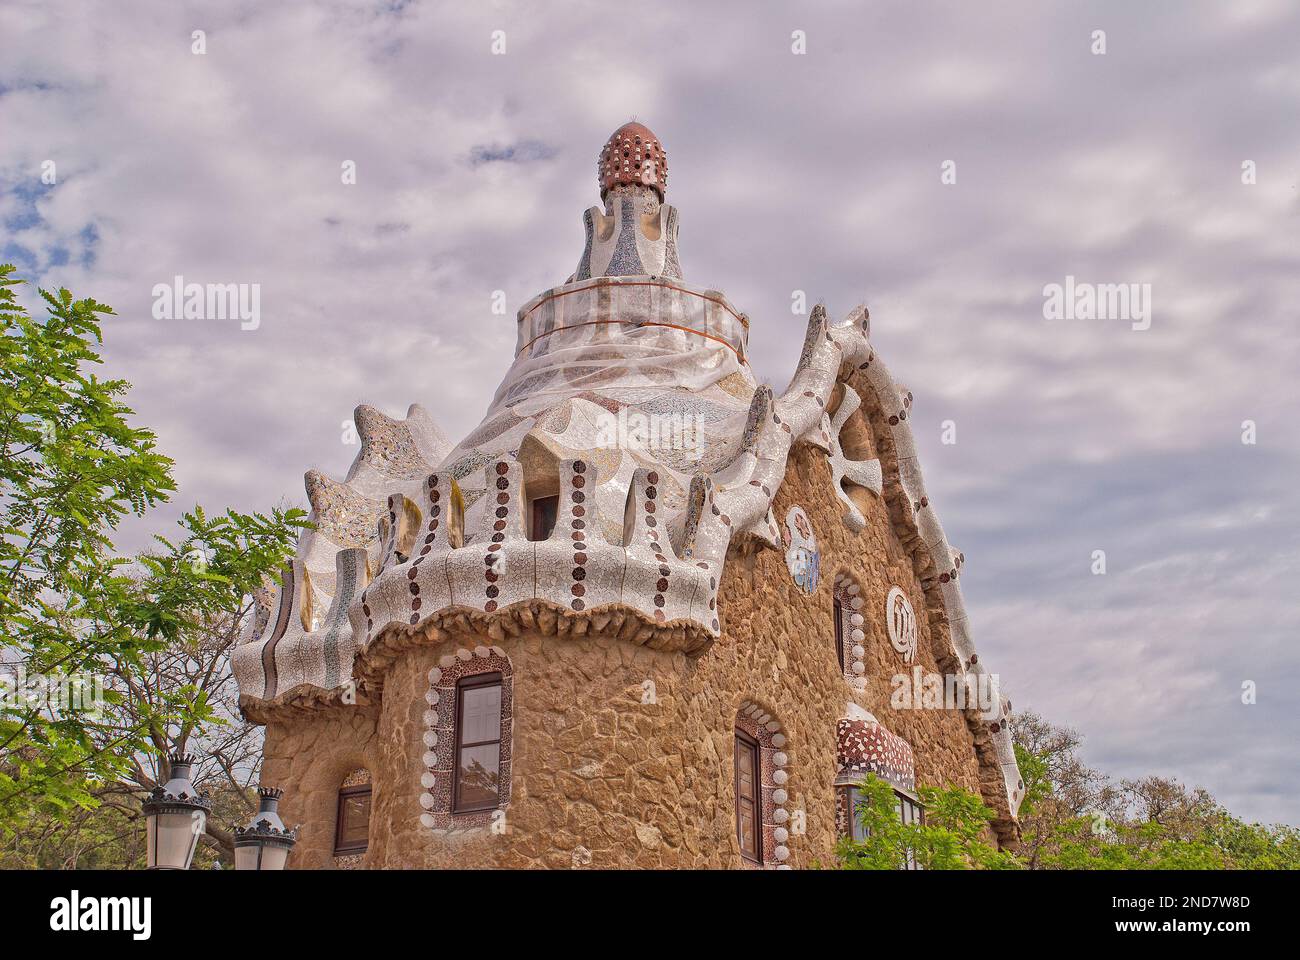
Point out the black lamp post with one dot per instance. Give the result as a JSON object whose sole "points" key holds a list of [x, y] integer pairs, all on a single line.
{"points": [[175, 817], [265, 843]]}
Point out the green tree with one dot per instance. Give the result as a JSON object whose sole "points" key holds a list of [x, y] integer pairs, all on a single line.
{"points": [[155, 631], [954, 835], [1076, 818]]}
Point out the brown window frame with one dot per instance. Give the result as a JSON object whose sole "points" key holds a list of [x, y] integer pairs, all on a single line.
{"points": [[473, 682], [902, 802], [838, 610], [752, 745], [851, 793], [537, 517], [345, 793]]}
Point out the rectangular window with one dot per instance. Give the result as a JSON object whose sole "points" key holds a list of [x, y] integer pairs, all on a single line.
{"points": [[477, 777], [839, 631], [906, 808], [543, 514], [749, 828], [352, 825], [909, 811], [856, 831]]}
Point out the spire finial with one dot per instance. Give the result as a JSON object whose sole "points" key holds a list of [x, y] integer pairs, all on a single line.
{"points": [[633, 155]]}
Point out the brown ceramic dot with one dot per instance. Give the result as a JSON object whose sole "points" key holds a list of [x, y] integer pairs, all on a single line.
{"points": [[579, 558], [578, 604], [415, 588], [578, 590], [490, 576], [490, 606], [579, 511], [410, 574], [499, 525], [659, 615], [651, 522], [415, 604], [502, 469], [659, 600], [579, 466], [434, 496], [662, 584], [653, 477], [503, 483], [579, 481], [651, 492], [502, 512], [579, 573], [579, 496], [493, 591]]}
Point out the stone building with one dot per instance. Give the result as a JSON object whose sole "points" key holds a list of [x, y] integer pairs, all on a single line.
{"points": [[649, 614]]}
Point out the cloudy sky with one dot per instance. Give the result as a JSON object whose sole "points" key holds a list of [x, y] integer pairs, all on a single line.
{"points": [[820, 172]]}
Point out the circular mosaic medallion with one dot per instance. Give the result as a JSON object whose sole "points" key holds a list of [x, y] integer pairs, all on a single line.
{"points": [[901, 620], [801, 556]]}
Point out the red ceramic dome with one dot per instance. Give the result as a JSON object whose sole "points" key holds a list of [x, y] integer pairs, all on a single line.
{"points": [[633, 155]]}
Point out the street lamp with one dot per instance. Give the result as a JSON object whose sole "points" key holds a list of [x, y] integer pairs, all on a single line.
{"points": [[265, 843], [175, 816]]}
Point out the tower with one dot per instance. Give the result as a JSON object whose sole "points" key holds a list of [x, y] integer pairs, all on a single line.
{"points": [[647, 613]]}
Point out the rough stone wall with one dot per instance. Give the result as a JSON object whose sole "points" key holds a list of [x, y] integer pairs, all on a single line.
{"points": [[603, 779], [309, 756]]}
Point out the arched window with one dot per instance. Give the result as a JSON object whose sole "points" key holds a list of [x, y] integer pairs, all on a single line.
{"points": [[763, 825], [850, 632], [352, 820], [837, 609], [467, 756], [477, 773], [749, 801]]}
